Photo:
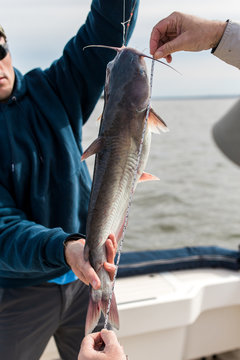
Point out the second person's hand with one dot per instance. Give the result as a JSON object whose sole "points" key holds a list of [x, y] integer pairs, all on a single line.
{"points": [[186, 32]]}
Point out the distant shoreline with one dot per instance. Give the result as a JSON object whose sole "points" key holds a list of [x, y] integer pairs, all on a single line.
{"points": [[196, 97], [192, 97]]}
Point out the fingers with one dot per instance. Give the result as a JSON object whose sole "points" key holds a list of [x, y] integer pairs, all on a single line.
{"points": [[74, 254], [111, 247], [163, 32], [90, 275], [184, 32], [90, 340], [109, 337], [110, 268], [89, 347], [112, 346], [170, 47], [168, 58]]}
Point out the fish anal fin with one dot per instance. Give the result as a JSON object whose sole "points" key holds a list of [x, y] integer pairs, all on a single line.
{"points": [[94, 148], [147, 177], [93, 315], [156, 123]]}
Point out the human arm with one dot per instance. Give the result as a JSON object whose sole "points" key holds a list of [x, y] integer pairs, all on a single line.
{"points": [[78, 76], [91, 347], [190, 33], [31, 253], [184, 32]]}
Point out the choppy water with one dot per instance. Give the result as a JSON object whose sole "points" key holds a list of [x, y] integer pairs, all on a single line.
{"points": [[197, 200]]}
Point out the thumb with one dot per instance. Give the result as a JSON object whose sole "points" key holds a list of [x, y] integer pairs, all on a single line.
{"points": [[109, 337]]}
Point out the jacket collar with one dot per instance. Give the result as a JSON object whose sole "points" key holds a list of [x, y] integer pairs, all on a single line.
{"points": [[19, 88]]}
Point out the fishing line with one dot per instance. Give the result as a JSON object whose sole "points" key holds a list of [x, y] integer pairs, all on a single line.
{"points": [[125, 23], [130, 198]]}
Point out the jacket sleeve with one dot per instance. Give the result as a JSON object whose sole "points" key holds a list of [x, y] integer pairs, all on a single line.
{"points": [[228, 49], [26, 246], [78, 76]]}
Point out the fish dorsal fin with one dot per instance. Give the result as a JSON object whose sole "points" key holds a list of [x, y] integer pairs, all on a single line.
{"points": [[94, 148], [147, 177], [155, 123]]}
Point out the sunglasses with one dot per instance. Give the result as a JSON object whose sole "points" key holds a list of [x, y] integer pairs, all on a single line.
{"points": [[3, 51]]}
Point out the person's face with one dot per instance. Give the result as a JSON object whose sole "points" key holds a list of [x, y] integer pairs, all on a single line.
{"points": [[7, 76]]}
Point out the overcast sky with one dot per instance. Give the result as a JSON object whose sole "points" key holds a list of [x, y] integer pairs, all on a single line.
{"points": [[38, 29]]}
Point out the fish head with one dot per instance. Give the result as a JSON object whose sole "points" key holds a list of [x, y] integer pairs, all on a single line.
{"points": [[127, 73]]}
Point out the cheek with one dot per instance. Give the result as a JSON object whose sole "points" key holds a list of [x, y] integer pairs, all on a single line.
{"points": [[12, 75], [9, 69]]}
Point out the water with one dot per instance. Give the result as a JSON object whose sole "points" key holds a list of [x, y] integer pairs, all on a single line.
{"points": [[197, 200]]}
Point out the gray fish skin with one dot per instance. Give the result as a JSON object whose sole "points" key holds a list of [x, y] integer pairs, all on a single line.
{"points": [[126, 96]]}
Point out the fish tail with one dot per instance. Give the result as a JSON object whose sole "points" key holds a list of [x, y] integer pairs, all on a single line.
{"points": [[113, 317], [94, 312], [93, 315]]}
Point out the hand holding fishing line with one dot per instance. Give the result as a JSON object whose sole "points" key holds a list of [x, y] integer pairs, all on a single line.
{"points": [[82, 268], [91, 348], [184, 32]]}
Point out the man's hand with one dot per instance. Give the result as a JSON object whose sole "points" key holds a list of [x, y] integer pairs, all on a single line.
{"points": [[184, 32], [101, 346], [81, 268]]}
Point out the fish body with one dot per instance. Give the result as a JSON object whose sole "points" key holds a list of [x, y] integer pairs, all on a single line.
{"points": [[126, 96]]}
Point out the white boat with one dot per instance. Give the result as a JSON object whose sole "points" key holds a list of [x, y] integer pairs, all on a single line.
{"points": [[180, 315], [177, 315]]}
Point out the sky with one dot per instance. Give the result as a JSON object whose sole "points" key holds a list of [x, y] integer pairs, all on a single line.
{"points": [[37, 31]]}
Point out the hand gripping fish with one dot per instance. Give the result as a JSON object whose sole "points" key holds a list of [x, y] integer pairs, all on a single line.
{"points": [[126, 98]]}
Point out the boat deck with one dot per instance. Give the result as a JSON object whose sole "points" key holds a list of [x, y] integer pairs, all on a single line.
{"points": [[182, 315]]}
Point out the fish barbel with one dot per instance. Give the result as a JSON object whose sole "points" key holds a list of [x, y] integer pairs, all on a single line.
{"points": [[126, 98]]}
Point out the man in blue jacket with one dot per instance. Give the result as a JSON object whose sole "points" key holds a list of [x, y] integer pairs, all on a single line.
{"points": [[45, 188]]}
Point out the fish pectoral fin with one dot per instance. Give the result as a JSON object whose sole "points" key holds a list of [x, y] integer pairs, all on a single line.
{"points": [[155, 123], [94, 148], [147, 177]]}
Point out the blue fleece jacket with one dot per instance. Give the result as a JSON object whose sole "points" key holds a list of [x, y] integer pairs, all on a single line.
{"points": [[44, 187]]}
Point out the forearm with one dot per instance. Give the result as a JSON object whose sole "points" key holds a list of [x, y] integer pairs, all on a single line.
{"points": [[228, 48], [26, 247]]}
